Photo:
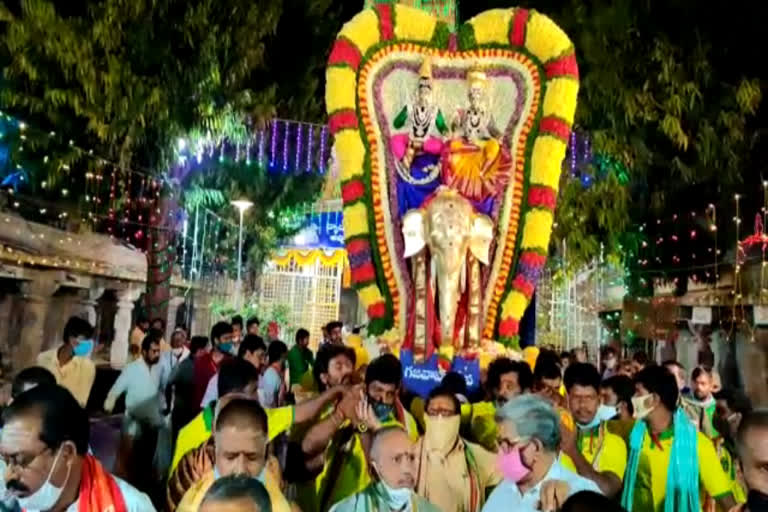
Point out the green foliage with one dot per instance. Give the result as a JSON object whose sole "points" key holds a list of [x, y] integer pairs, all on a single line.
{"points": [[196, 196], [672, 91], [666, 103], [275, 196], [590, 218], [130, 78], [266, 313]]}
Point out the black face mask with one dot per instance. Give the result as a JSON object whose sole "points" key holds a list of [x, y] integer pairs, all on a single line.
{"points": [[757, 501]]}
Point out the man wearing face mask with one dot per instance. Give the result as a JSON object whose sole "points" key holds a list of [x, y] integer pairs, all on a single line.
{"points": [[25, 380], [240, 448], [393, 465], [207, 365], [591, 450], [616, 393], [71, 362], [343, 439], [752, 447], [169, 361], [382, 385], [529, 441], [452, 473], [44, 444], [669, 461]]}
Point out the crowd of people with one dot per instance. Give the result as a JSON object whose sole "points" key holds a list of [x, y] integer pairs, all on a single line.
{"points": [[233, 422]]}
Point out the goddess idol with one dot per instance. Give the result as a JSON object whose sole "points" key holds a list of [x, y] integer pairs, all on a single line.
{"points": [[475, 161], [417, 150]]}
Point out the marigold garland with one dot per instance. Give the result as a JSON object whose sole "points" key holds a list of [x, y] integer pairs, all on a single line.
{"points": [[369, 232]]}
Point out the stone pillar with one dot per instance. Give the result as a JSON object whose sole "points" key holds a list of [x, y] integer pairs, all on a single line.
{"points": [[88, 302], [36, 296], [170, 322], [201, 317], [118, 353]]}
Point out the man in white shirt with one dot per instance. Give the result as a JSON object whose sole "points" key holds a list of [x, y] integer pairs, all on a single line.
{"points": [[139, 382], [44, 443], [529, 440], [168, 362], [142, 409]]}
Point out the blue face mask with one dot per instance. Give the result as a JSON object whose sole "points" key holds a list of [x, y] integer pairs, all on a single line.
{"points": [[225, 347], [84, 348], [380, 409], [604, 413]]}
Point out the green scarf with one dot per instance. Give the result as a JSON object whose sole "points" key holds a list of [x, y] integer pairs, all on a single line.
{"points": [[682, 491]]}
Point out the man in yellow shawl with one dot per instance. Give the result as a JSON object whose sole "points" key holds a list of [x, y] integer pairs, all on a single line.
{"points": [[240, 448], [340, 443], [452, 473]]}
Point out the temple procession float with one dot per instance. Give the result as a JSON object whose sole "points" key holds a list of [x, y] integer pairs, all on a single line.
{"points": [[449, 146]]}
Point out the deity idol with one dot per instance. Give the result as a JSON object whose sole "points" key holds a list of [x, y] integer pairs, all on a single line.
{"points": [[417, 152], [475, 161]]}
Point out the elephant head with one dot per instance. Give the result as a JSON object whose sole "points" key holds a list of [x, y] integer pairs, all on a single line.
{"points": [[449, 225]]}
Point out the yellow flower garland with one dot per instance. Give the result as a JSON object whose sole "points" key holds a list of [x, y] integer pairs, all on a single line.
{"points": [[305, 257], [491, 27]]}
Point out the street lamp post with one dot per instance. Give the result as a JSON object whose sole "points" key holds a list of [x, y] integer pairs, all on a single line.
{"points": [[241, 205]]}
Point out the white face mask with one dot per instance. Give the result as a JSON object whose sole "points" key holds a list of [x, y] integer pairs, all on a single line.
{"points": [[177, 351], [610, 363], [642, 410], [48, 494], [260, 478]]}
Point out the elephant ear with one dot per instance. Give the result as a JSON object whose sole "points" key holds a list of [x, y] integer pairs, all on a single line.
{"points": [[480, 238], [414, 233]]}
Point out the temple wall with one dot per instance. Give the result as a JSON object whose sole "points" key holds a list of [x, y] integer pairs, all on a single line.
{"points": [[46, 279]]}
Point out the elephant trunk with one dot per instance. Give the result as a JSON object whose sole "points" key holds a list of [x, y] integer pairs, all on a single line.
{"points": [[448, 297]]}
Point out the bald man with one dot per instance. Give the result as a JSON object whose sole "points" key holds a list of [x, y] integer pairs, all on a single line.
{"points": [[236, 494], [393, 470]]}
